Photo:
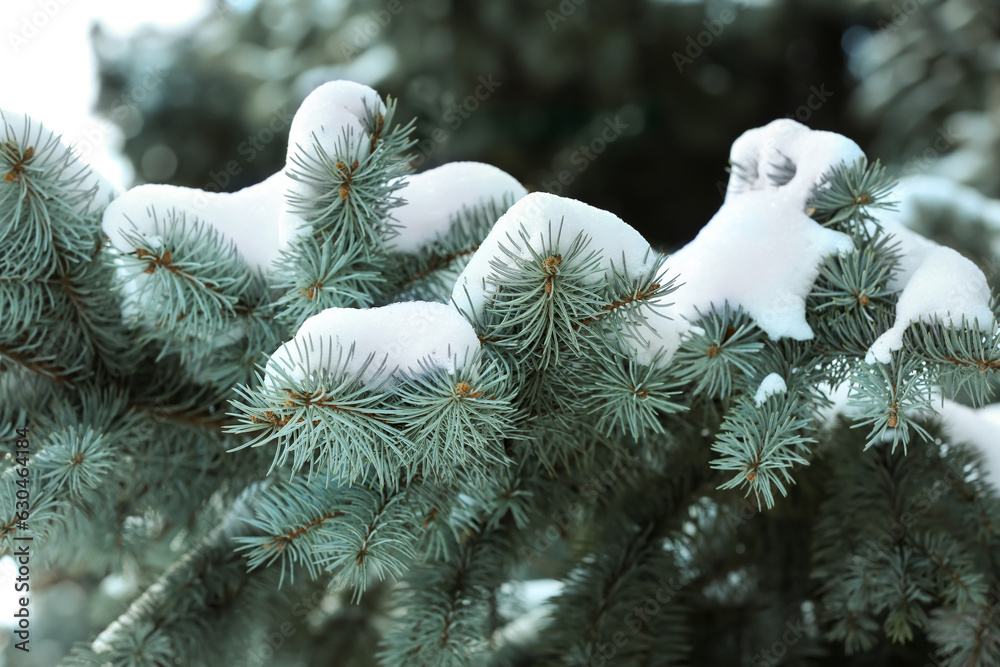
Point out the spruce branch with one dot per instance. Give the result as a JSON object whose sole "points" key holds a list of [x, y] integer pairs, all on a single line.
{"points": [[444, 610], [507, 495], [75, 461], [952, 569], [852, 304], [45, 512], [331, 423], [892, 398], [172, 616], [853, 280], [184, 279], [966, 359], [969, 636], [600, 598], [628, 397], [94, 310], [431, 273], [26, 304], [848, 192], [901, 590], [431, 488], [377, 537], [641, 524], [314, 277], [458, 421], [346, 197], [630, 299], [542, 294], [33, 353], [762, 443], [344, 200], [349, 426], [888, 545], [48, 202], [289, 520], [719, 353]]}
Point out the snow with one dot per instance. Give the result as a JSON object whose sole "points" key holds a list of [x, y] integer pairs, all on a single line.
{"points": [[927, 197], [946, 287], [771, 385], [256, 219], [978, 427], [246, 218], [760, 251], [433, 198], [402, 334], [913, 248], [326, 100], [29, 133], [608, 233], [936, 282], [327, 113]]}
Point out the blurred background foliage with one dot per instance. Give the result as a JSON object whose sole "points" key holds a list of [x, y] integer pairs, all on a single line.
{"points": [[669, 84]]}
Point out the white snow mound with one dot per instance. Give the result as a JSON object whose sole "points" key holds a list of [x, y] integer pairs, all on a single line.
{"points": [[435, 196], [937, 283], [760, 251], [946, 287], [536, 213], [254, 218], [771, 385], [247, 218], [331, 115], [401, 334], [328, 112]]}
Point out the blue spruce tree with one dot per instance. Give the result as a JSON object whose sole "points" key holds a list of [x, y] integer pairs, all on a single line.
{"points": [[354, 415]]}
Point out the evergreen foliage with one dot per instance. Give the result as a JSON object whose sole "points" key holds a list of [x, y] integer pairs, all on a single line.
{"points": [[401, 515]]}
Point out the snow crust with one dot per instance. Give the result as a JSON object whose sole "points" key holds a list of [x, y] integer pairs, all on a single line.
{"points": [[435, 196], [400, 334], [760, 251], [535, 212], [937, 282], [330, 114], [771, 385], [247, 218], [260, 222], [946, 287], [255, 219], [333, 100]]}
